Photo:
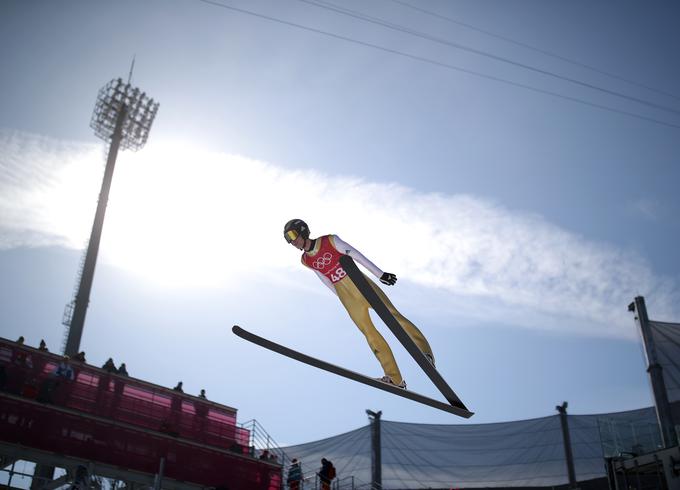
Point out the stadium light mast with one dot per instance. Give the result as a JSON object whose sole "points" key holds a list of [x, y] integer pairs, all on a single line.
{"points": [[122, 115]]}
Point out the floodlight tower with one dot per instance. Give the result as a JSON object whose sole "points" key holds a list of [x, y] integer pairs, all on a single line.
{"points": [[123, 115]]}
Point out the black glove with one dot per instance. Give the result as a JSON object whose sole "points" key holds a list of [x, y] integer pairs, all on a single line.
{"points": [[388, 278]]}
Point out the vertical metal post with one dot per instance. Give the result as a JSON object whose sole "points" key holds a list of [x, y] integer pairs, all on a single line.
{"points": [[625, 478], [376, 455], [664, 414], [612, 479], [11, 474], [562, 409], [82, 298], [41, 475], [157, 484]]}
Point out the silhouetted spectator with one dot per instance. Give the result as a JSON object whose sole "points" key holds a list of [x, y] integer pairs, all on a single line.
{"points": [[326, 474], [176, 406], [50, 385], [79, 357], [294, 475], [64, 369], [81, 479], [118, 384], [43, 346], [20, 340], [264, 454], [202, 394], [109, 366], [122, 370]]}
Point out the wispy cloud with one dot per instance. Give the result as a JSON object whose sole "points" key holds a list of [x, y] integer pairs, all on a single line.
{"points": [[42, 186], [200, 218]]}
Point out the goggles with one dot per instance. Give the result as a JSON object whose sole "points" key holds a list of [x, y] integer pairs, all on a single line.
{"points": [[291, 235]]}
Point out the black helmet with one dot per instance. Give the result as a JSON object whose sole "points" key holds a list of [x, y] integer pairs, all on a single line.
{"points": [[295, 228]]}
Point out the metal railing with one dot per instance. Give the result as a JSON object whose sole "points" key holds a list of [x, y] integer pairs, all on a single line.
{"points": [[628, 438], [262, 445], [312, 481]]}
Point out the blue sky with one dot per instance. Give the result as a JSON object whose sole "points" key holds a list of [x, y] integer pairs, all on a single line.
{"points": [[521, 212]]}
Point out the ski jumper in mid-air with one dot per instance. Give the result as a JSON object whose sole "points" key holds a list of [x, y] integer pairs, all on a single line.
{"points": [[322, 255]]}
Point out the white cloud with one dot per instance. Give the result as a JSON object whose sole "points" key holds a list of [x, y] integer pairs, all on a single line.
{"points": [[190, 217], [42, 186]]}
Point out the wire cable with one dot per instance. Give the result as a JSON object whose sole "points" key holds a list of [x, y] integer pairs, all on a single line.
{"points": [[438, 63], [407, 30], [539, 50]]}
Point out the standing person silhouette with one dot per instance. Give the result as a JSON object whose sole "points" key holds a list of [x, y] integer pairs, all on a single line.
{"points": [[294, 475], [326, 474], [322, 255]]}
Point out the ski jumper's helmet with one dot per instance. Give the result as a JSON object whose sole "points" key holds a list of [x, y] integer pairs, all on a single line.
{"points": [[295, 228]]}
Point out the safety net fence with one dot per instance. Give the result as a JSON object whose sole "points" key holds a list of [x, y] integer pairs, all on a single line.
{"points": [[667, 341], [527, 453]]}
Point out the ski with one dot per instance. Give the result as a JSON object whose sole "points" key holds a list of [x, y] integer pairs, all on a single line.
{"points": [[365, 288], [332, 368]]}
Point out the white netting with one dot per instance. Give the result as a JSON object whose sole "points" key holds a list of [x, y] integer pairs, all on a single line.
{"points": [[510, 454], [667, 342]]}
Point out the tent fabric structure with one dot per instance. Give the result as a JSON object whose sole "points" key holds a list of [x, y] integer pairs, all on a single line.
{"points": [[509, 454], [667, 343]]}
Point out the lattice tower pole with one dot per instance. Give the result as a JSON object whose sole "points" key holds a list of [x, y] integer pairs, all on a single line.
{"points": [[122, 115]]}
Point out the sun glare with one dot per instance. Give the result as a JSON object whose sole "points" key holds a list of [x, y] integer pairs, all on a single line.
{"points": [[184, 217], [64, 198]]}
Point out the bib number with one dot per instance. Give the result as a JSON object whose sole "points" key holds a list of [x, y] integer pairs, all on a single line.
{"points": [[338, 274]]}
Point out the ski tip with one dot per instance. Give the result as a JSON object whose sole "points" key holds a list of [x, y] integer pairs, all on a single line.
{"points": [[236, 329]]}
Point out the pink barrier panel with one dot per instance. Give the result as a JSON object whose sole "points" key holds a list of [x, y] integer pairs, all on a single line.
{"points": [[173, 420], [29, 373], [45, 427]]}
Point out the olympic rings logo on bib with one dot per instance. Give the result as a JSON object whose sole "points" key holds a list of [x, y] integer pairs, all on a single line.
{"points": [[323, 261]]}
